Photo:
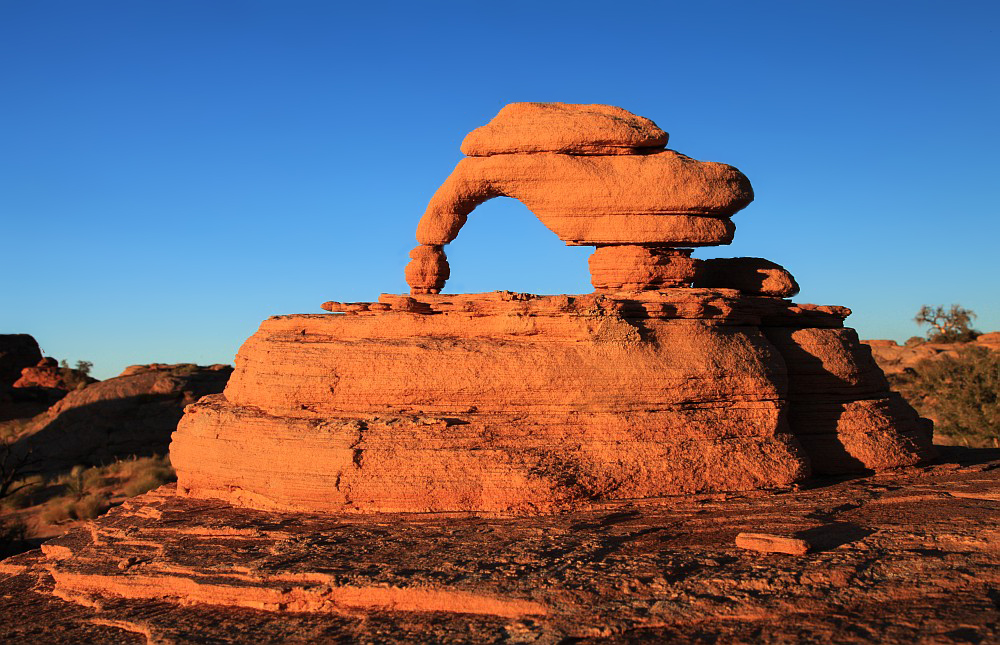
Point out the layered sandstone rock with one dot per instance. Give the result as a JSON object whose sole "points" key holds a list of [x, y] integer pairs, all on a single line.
{"points": [[130, 415], [676, 376]]}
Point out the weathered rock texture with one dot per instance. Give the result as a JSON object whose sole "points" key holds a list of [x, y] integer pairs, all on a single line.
{"points": [[659, 198], [133, 414], [17, 351], [511, 403], [903, 557], [564, 127], [516, 404]]}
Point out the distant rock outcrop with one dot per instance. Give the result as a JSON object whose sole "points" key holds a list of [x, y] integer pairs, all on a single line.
{"points": [[48, 374], [896, 359], [132, 414]]}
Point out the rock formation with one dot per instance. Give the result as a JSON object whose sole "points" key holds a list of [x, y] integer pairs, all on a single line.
{"points": [[895, 359], [676, 376], [48, 374], [129, 415]]}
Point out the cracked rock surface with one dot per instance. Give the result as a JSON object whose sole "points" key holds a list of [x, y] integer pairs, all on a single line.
{"points": [[908, 555]]}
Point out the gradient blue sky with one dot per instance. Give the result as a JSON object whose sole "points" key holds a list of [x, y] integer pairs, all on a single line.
{"points": [[174, 171]]}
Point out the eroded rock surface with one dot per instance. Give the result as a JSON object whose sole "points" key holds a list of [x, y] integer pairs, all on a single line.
{"points": [[512, 403], [895, 359], [566, 128], [906, 556]]}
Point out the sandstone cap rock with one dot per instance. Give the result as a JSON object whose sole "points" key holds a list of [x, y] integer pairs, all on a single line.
{"points": [[564, 127]]}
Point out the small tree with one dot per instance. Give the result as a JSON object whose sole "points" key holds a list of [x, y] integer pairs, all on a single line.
{"points": [[952, 325], [77, 378], [14, 468]]}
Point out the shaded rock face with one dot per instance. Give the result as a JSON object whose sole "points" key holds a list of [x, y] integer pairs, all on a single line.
{"points": [[120, 417], [17, 351], [676, 376]]}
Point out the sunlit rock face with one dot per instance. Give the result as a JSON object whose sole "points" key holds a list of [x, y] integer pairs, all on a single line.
{"points": [[675, 376]]}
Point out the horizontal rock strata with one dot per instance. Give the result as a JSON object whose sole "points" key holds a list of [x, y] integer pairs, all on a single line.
{"points": [[661, 198], [512, 403]]}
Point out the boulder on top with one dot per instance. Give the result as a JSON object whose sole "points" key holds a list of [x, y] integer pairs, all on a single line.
{"points": [[48, 374], [566, 128]]}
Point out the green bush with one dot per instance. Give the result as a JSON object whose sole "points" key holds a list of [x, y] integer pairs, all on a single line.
{"points": [[960, 393]]}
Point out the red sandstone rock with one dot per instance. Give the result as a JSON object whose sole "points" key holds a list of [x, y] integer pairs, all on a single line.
{"points": [[515, 404], [772, 543], [48, 374], [755, 276], [908, 556], [638, 268], [894, 359], [663, 198], [428, 269], [564, 127]]}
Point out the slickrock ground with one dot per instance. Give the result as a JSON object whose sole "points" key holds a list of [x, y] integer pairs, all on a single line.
{"points": [[906, 556], [896, 359]]}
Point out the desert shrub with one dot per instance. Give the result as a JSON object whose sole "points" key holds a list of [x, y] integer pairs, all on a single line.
{"points": [[22, 496], [952, 325], [960, 393], [89, 507], [78, 378], [146, 474], [57, 510], [76, 482]]}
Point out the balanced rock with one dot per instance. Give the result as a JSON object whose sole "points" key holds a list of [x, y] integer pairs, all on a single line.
{"points": [[564, 127], [507, 403]]}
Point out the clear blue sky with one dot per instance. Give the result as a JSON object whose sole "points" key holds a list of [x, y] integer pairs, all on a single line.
{"points": [[174, 171]]}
